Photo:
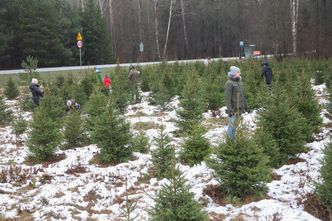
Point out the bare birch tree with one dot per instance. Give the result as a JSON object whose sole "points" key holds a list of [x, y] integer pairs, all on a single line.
{"points": [[184, 28], [157, 27], [168, 27]]}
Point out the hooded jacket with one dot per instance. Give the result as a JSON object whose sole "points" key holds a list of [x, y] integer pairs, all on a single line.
{"points": [[234, 97]]}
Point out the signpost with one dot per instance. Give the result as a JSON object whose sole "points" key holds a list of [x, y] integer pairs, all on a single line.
{"points": [[141, 49], [241, 48], [79, 40]]}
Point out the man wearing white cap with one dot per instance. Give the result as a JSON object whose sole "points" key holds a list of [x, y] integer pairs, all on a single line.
{"points": [[36, 91], [234, 98]]}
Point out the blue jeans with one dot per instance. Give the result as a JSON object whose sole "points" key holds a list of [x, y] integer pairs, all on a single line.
{"points": [[231, 127]]}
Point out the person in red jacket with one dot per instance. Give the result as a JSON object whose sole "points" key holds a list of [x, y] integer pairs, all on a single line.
{"points": [[107, 82]]}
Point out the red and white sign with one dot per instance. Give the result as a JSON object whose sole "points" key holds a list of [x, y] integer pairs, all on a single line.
{"points": [[257, 53], [79, 44]]}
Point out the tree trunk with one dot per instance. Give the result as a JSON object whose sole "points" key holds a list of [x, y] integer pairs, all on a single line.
{"points": [[294, 18], [184, 29], [168, 27], [112, 25], [140, 27], [157, 28]]}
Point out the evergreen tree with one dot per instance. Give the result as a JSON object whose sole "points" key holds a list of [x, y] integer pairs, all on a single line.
{"points": [[140, 143], [120, 88], [54, 106], [30, 66], [111, 134], [213, 92], [44, 136], [74, 132], [196, 147], [11, 90], [95, 106], [241, 167], [192, 103], [307, 105], [26, 103], [19, 125], [175, 202], [97, 44], [163, 156], [5, 113], [285, 124], [324, 189], [269, 146]]}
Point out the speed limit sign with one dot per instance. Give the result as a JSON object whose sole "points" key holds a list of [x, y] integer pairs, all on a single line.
{"points": [[79, 44]]}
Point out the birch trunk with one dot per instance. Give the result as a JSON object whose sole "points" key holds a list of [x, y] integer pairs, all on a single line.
{"points": [[112, 27], [168, 27], [157, 28], [184, 29], [294, 18]]}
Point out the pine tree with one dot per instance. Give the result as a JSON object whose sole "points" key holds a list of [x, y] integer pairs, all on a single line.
{"points": [[54, 106], [163, 155], [307, 105], [44, 136], [19, 125], [30, 66], [74, 132], [140, 143], [196, 147], [95, 106], [11, 90], [192, 103], [120, 89], [285, 124], [111, 134], [241, 167], [269, 146], [5, 113], [324, 188], [175, 202]]}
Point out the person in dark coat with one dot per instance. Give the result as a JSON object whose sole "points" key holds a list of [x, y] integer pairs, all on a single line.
{"points": [[72, 105], [36, 91], [267, 73], [133, 77], [234, 98]]}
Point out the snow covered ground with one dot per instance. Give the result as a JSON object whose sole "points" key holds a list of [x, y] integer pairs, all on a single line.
{"points": [[75, 189]]}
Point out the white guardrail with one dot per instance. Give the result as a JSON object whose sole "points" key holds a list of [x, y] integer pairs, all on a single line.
{"points": [[71, 68]]}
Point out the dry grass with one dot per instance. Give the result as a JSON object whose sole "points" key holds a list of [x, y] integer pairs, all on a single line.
{"points": [[212, 123], [145, 126]]}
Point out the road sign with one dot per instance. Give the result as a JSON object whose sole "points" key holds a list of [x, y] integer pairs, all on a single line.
{"points": [[241, 44], [141, 47], [80, 44], [79, 37], [256, 53]]}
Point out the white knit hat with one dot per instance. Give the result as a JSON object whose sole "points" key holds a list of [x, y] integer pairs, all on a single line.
{"points": [[34, 81]]}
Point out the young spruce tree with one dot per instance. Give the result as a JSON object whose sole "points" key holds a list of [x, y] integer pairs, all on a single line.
{"points": [[196, 147], [163, 156], [175, 202], [285, 124], [11, 90], [241, 167], [324, 189], [74, 131], [44, 136], [5, 113], [192, 103], [111, 134]]}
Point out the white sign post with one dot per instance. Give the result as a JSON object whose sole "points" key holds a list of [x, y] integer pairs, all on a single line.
{"points": [[141, 49], [79, 39]]}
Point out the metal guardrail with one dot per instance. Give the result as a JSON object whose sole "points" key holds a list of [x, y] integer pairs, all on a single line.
{"points": [[73, 68]]}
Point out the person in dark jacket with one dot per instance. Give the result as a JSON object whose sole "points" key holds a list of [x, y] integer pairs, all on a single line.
{"points": [[133, 77], [234, 98], [36, 91], [72, 105], [267, 73]]}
